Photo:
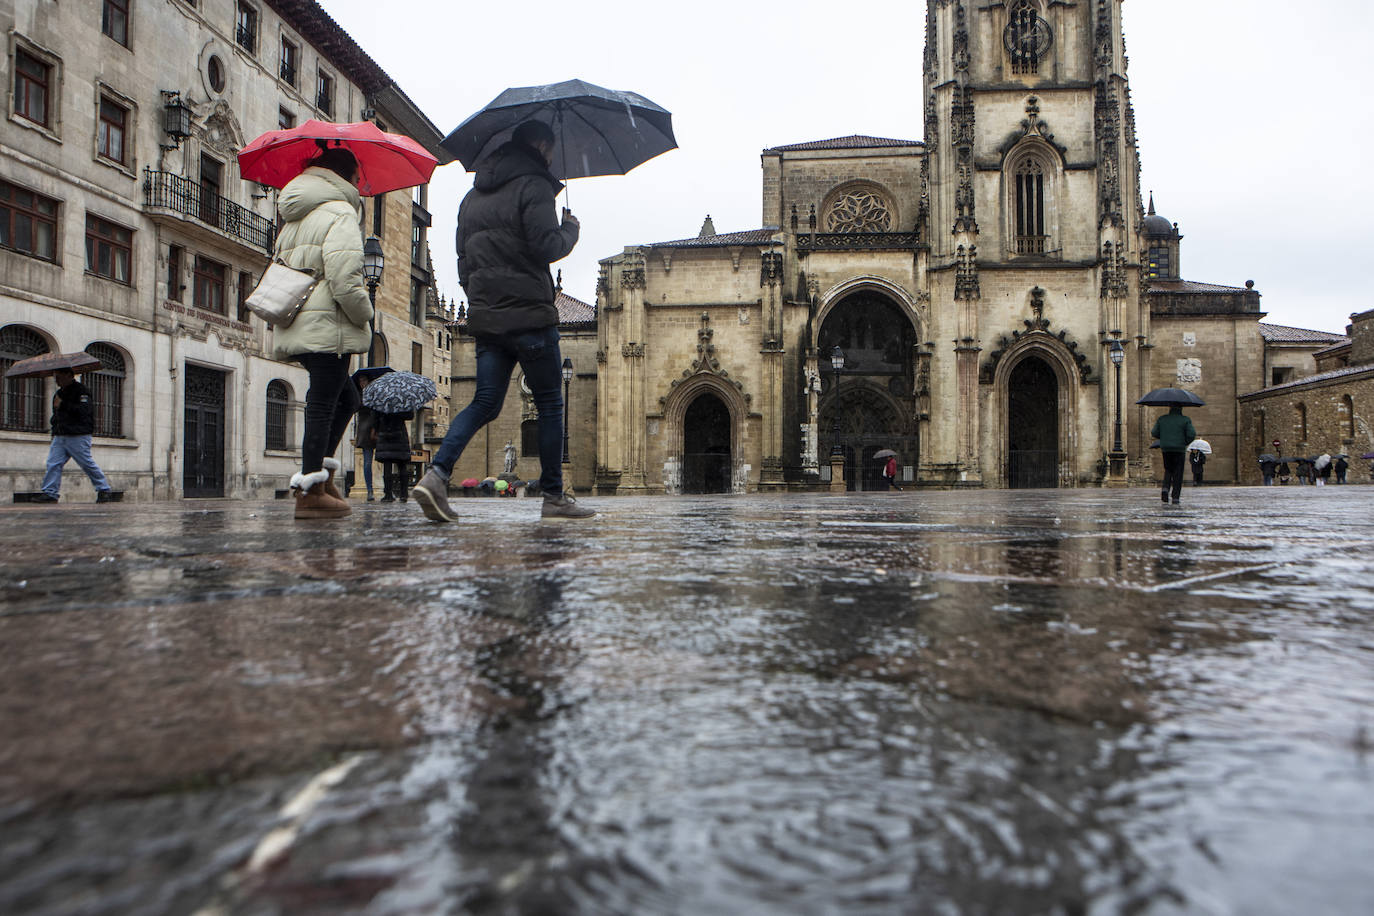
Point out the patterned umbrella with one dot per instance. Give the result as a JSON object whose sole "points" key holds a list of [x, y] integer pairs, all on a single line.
{"points": [[48, 363], [399, 392]]}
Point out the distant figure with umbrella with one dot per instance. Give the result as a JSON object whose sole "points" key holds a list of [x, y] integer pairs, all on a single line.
{"points": [[73, 422], [366, 431], [1268, 465], [889, 468], [1198, 450], [508, 235], [1342, 466], [1321, 466], [1174, 431], [394, 398]]}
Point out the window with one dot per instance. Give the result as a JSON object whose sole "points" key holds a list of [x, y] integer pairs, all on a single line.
{"points": [[1030, 208], [1159, 262], [417, 244], [417, 359], [278, 402], [1302, 422], [378, 207], [285, 119], [417, 302], [1348, 423], [114, 126], [109, 249], [529, 438], [214, 69], [23, 397], [28, 222], [114, 20], [210, 171], [32, 84], [1027, 37], [245, 289], [107, 390], [290, 58], [208, 291], [324, 94], [246, 28], [174, 284]]}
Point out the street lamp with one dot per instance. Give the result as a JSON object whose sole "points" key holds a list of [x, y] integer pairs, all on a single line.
{"points": [[567, 392], [374, 261], [1118, 354], [837, 364]]}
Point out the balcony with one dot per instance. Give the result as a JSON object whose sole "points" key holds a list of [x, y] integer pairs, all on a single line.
{"points": [[1031, 244], [288, 73], [184, 198], [247, 37]]}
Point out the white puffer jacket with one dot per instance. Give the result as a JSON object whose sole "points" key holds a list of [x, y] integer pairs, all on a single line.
{"points": [[322, 231]]}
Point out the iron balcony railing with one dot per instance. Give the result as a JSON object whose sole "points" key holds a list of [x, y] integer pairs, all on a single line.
{"points": [[167, 191]]}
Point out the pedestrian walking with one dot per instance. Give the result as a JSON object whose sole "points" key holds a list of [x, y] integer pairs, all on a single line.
{"points": [[367, 441], [890, 472], [1196, 459], [508, 235], [1268, 466], [1342, 467], [393, 451], [1323, 474], [73, 424], [1285, 474], [1174, 431], [321, 231]]}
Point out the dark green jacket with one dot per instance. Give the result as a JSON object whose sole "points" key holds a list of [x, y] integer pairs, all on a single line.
{"points": [[1174, 431], [508, 235]]}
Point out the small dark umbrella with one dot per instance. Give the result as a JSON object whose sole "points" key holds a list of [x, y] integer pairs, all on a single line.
{"points": [[370, 372], [1291, 460], [399, 392], [47, 363], [599, 131], [1171, 397], [1268, 457], [1367, 456]]}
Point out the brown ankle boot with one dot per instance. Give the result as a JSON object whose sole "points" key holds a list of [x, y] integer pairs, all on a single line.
{"points": [[331, 465], [312, 501]]}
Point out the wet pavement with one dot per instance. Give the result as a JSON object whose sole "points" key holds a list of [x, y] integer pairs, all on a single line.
{"points": [[945, 702]]}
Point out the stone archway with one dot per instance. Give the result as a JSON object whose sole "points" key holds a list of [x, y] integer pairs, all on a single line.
{"points": [[874, 396], [1032, 425], [707, 462]]}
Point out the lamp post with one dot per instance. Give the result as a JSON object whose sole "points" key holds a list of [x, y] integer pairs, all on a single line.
{"points": [[1118, 355], [374, 261], [567, 392], [836, 364]]}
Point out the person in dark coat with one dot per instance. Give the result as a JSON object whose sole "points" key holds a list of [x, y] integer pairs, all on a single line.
{"points": [[508, 235], [1174, 431], [1196, 459], [73, 424], [393, 451], [367, 441], [1342, 466], [1267, 468], [1285, 473]]}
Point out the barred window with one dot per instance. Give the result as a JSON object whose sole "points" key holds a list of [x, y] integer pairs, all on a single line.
{"points": [[107, 390], [23, 397], [324, 94], [246, 28], [1028, 37], [290, 59], [278, 401], [28, 222]]}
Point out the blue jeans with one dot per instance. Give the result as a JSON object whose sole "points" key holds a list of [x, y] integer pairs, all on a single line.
{"points": [[497, 355], [77, 448], [368, 452]]}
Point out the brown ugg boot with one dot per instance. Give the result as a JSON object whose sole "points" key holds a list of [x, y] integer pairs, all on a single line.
{"points": [[311, 499], [331, 465]]}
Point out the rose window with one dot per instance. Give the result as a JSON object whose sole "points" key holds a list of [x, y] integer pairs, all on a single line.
{"points": [[859, 211]]}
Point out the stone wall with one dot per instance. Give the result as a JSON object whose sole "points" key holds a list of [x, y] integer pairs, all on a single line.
{"points": [[1331, 415]]}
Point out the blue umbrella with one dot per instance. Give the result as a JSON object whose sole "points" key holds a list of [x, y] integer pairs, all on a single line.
{"points": [[399, 392]]}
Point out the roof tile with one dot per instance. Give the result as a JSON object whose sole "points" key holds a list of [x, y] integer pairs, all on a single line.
{"points": [[853, 141]]}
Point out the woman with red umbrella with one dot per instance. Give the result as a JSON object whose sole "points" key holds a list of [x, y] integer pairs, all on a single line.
{"points": [[322, 215]]}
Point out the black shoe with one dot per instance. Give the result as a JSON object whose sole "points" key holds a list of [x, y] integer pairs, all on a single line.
{"points": [[388, 499], [1175, 502], [42, 498], [109, 496], [1164, 496]]}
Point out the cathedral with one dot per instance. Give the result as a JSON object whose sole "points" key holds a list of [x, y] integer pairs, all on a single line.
{"points": [[988, 303]]}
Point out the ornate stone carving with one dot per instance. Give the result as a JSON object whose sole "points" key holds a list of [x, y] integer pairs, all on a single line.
{"points": [[632, 350], [1037, 325], [966, 273], [861, 208], [1115, 282], [632, 275], [770, 272]]}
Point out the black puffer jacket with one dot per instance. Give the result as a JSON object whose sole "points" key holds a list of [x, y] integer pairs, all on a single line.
{"points": [[508, 235], [393, 439], [72, 412]]}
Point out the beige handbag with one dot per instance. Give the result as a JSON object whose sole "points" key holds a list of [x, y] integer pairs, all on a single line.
{"points": [[281, 293]]}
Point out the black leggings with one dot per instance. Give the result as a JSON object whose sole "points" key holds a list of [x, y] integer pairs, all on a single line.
{"points": [[394, 478], [329, 404]]}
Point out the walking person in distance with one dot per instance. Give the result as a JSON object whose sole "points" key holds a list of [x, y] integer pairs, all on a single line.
{"points": [[73, 424], [1174, 431], [508, 235]]}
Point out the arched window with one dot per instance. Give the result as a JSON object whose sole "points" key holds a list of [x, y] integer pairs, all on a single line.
{"points": [[107, 390], [529, 438], [23, 398], [278, 404], [1348, 406], [1030, 207], [379, 354], [1302, 422], [1028, 37]]}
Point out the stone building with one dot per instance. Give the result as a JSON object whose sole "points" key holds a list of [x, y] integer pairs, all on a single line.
{"points": [[958, 300], [125, 229], [1328, 411]]}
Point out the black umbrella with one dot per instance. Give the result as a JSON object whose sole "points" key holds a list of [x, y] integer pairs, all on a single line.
{"points": [[1268, 457], [600, 131], [1291, 460], [1171, 397], [399, 392]]}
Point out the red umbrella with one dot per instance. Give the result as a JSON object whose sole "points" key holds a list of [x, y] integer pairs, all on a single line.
{"points": [[386, 162], [48, 363]]}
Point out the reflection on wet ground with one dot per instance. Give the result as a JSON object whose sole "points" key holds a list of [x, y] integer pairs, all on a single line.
{"points": [[989, 702]]}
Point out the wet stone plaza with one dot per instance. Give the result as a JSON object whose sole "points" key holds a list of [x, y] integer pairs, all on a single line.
{"points": [[920, 702]]}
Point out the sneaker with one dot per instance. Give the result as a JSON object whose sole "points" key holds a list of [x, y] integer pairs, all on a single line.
{"points": [[564, 506], [432, 495]]}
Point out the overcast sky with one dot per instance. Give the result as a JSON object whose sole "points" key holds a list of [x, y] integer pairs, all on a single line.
{"points": [[1254, 132]]}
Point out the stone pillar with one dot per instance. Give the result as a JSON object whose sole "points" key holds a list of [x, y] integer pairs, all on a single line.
{"points": [[837, 474]]}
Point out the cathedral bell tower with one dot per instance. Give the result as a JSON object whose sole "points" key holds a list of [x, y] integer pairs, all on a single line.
{"points": [[1031, 207]]}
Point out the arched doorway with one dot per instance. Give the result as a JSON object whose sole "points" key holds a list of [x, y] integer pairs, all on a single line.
{"points": [[706, 460], [1032, 425], [873, 397]]}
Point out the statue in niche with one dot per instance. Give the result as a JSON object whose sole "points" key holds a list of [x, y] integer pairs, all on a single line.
{"points": [[510, 458]]}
